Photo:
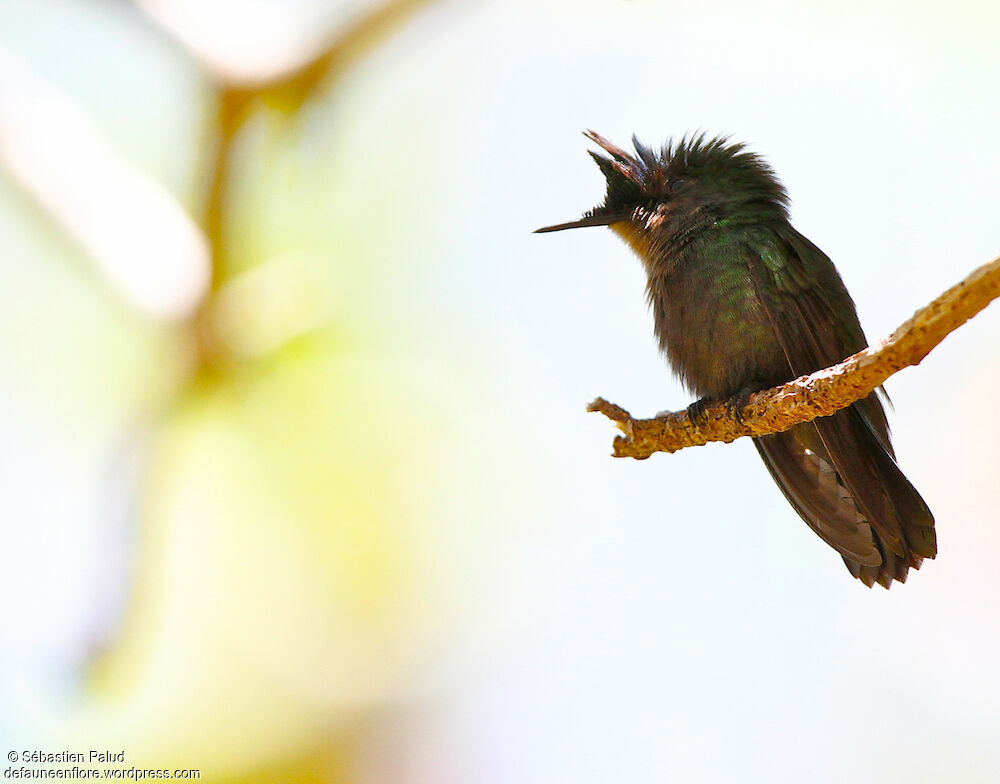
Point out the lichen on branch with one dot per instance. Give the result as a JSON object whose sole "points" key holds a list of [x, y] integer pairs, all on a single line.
{"points": [[820, 394]]}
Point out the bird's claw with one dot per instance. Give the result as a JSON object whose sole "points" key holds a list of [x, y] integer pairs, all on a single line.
{"points": [[738, 402], [697, 409]]}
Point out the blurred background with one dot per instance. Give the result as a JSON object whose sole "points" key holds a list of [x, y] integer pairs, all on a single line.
{"points": [[297, 483]]}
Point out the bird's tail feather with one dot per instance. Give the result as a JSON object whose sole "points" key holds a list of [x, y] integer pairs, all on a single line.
{"points": [[838, 475]]}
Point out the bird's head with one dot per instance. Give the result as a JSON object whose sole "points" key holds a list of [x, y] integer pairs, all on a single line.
{"points": [[657, 200]]}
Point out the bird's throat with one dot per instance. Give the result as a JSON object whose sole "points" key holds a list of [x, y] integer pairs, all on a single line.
{"points": [[635, 237]]}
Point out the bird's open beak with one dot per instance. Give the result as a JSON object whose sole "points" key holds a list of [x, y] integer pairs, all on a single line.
{"points": [[590, 220]]}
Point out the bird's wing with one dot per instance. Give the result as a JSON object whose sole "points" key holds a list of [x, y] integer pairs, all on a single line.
{"points": [[823, 297], [816, 325], [800, 466]]}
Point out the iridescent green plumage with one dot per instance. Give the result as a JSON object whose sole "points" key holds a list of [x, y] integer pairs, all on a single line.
{"points": [[741, 301]]}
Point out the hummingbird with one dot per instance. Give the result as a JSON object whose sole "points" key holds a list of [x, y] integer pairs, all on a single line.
{"points": [[741, 302]]}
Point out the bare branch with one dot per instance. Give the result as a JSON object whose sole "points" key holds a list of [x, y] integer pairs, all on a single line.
{"points": [[820, 394]]}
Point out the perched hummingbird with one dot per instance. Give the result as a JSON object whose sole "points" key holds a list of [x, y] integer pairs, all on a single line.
{"points": [[742, 302]]}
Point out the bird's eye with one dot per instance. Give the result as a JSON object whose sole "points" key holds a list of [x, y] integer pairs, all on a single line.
{"points": [[676, 186]]}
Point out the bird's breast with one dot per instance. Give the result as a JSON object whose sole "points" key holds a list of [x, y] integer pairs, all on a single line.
{"points": [[712, 325]]}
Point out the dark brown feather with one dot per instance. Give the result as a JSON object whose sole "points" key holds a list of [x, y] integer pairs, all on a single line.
{"points": [[854, 443]]}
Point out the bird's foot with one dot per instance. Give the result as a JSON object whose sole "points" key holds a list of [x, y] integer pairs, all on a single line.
{"points": [[697, 409], [739, 401]]}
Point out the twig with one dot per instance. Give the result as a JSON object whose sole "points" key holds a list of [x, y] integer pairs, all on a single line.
{"points": [[819, 394]]}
